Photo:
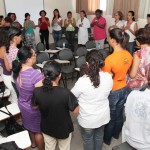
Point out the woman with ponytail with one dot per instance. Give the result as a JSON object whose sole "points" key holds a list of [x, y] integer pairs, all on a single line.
{"points": [[118, 64], [14, 38], [54, 103], [92, 91], [26, 79]]}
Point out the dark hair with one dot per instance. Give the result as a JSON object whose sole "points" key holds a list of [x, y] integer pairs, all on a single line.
{"points": [[84, 13], [132, 13], [26, 15], [69, 12], [148, 15], [143, 36], [13, 31], [24, 53], [9, 14], [120, 15], [99, 11], [58, 13], [42, 11], [95, 62], [1, 17], [7, 19], [4, 40], [51, 71], [121, 37]]}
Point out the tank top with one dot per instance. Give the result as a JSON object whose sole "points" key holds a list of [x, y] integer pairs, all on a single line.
{"points": [[30, 29], [70, 27], [132, 37]]}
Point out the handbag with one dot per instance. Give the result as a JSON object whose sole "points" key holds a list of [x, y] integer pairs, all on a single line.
{"points": [[11, 126], [9, 146]]}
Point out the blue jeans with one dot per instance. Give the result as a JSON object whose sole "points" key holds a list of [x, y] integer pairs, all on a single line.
{"points": [[57, 36], [92, 138], [117, 100]]}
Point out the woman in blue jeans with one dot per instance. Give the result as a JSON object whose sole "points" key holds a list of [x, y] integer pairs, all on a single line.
{"points": [[57, 26], [92, 91], [118, 64]]}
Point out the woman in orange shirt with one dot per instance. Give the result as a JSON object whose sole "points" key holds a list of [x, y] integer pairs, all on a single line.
{"points": [[118, 64]]}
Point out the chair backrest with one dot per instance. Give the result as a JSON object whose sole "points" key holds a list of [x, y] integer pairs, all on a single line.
{"points": [[104, 53], [42, 57], [66, 54], [90, 44], [81, 51], [80, 61], [61, 41], [40, 47]]}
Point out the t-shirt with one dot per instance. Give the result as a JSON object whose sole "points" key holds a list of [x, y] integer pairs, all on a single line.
{"points": [[118, 64], [54, 106], [137, 125], [11, 56], [99, 33], [94, 109], [119, 24], [43, 26]]}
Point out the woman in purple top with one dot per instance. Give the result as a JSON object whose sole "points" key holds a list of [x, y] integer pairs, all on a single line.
{"points": [[26, 79], [4, 43]]}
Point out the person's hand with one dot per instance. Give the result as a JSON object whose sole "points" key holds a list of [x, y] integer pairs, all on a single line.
{"points": [[69, 21], [127, 27], [80, 25]]}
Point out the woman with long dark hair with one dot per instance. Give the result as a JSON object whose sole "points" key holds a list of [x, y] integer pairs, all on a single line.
{"points": [[92, 91], [54, 103], [26, 79], [44, 24], [57, 26], [118, 64], [14, 37], [130, 27]]}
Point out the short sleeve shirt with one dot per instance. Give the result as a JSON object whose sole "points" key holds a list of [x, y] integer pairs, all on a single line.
{"points": [[99, 33], [44, 26], [54, 106]]}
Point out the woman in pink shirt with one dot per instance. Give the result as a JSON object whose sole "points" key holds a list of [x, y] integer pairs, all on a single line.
{"points": [[14, 35], [99, 29]]}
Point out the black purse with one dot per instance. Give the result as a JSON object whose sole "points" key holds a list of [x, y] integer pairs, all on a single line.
{"points": [[9, 146], [11, 126], [2, 87]]}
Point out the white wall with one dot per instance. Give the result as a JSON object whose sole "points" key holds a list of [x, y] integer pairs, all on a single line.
{"points": [[64, 6]]}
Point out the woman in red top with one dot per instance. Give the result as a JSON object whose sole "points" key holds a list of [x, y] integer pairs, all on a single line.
{"points": [[43, 24]]}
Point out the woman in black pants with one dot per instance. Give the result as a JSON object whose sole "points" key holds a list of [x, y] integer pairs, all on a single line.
{"points": [[43, 24]]}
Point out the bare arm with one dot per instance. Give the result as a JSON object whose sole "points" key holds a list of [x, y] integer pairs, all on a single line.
{"points": [[135, 66], [135, 29], [76, 111], [60, 22], [39, 23], [6, 63], [66, 24]]}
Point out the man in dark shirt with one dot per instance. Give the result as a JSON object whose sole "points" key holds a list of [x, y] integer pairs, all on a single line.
{"points": [[147, 26]]}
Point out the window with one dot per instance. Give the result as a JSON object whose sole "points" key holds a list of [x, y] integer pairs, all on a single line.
{"points": [[103, 5]]}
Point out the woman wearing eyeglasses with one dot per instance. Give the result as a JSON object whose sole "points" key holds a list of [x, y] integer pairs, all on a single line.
{"points": [[26, 79]]}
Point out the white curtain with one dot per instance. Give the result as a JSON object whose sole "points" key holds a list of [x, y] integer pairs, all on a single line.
{"points": [[144, 8], [109, 7]]}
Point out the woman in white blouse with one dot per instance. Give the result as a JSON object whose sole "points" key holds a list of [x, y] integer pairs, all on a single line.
{"points": [[130, 27], [83, 24], [117, 23], [92, 91]]}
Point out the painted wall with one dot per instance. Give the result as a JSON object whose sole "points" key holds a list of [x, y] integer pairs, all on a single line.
{"points": [[64, 6]]}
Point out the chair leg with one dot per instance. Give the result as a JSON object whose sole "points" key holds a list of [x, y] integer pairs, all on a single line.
{"points": [[65, 81]]}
